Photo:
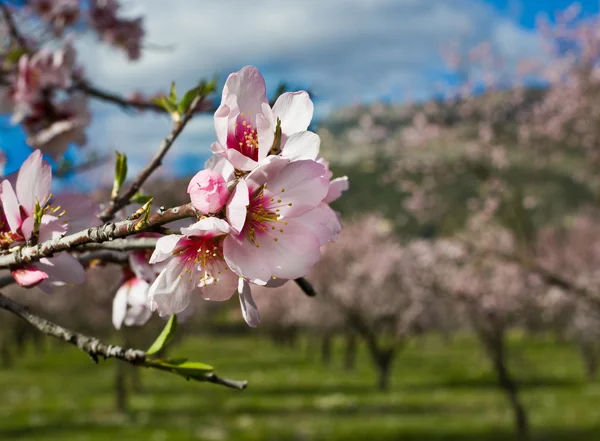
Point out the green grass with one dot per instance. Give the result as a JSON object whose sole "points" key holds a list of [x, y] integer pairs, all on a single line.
{"points": [[440, 391]]}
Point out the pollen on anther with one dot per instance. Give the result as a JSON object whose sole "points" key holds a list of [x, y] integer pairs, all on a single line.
{"points": [[281, 230], [279, 201], [283, 190], [275, 239], [290, 204]]}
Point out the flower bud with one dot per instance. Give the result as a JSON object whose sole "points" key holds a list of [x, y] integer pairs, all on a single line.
{"points": [[208, 191]]}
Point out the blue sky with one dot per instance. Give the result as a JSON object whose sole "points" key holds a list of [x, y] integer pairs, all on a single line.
{"points": [[346, 51]]}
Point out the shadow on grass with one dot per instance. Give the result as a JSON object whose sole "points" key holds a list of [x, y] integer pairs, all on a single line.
{"points": [[492, 383], [59, 430]]}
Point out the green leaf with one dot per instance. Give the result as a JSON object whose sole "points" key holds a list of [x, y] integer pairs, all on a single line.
{"points": [[166, 104], [173, 94], [187, 99], [120, 173], [165, 336], [276, 147], [140, 198]]}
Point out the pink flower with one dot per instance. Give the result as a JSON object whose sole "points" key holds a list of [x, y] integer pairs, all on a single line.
{"points": [[139, 261], [32, 187], [245, 123], [274, 213], [72, 118], [131, 305], [59, 13], [123, 33], [195, 265], [208, 191]]}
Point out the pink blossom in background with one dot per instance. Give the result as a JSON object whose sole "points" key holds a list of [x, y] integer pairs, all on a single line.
{"points": [[131, 306], [58, 13], [125, 34]]}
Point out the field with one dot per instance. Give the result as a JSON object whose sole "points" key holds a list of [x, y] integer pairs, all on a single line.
{"points": [[440, 391]]}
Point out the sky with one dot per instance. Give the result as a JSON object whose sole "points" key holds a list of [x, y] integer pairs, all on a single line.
{"points": [[344, 51]]}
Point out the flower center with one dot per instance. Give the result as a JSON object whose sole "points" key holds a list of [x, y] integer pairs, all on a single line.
{"points": [[264, 216], [244, 138], [204, 255]]}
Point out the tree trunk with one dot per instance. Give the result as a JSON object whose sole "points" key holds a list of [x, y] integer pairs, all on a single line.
{"points": [[326, 343], [590, 359], [384, 369], [6, 354], [135, 377], [121, 387], [350, 354], [497, 352]]}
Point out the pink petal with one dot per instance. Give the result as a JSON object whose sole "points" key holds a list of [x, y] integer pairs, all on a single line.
{"points": [[28, 277], [303, 185], [165, 246], [10, 204], [119, 309], [249, 308], [207, 227], [240, 161], [224, 286], [33, 182], [295, 110], [62, 268], [241, 257], [172, 290], [302, 145], [51, 227], [221, 127], [336, 188], [137, 315], [236, 207], [265, 131], [222, 166], [323, 222], [268, 169], [294, 253], [248, 88], [80, 211]]}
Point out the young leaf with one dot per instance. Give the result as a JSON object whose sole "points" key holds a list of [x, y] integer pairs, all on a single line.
{"points": [[140, 198], [120, 173], [173, 93], [165, 336], [187, 99]]}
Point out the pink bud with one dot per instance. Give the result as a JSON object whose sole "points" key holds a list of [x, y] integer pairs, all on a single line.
{"points": [[208, 191]]}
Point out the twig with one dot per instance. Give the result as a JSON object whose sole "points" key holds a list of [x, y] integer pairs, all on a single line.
{"points": [[113, 98], [130, 244], [123, 200], [234, 384], [12, 26], [104, 233], [306, 286], [90, 345]]}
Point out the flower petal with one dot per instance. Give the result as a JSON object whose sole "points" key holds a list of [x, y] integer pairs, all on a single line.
{"points": [[237, 206], [302, 145], [28, 277], [240, 256], [119, 309], [249, 308], [207, 227], [336, 188], [62, 268], [165, 246], [10, 204], [33, 182], [172, 290], [295, 110]]}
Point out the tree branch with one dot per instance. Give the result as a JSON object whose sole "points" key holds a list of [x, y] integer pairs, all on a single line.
{"points": [[90, 345], [116, 99], [104, 233], [123, 200], [12, 26]]}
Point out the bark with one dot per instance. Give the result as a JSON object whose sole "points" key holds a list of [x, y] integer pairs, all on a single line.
{"points": [[497, 351]]}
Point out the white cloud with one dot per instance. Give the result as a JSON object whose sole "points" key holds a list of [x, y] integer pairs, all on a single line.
{"points": [[343, 50]]}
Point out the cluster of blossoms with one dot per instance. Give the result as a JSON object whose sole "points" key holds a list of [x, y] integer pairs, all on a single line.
{"points": [[29, 213], [42, 88], [264, 202]]}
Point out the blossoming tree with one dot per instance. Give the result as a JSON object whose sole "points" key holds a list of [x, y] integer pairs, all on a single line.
{"points": [[258, 214]]}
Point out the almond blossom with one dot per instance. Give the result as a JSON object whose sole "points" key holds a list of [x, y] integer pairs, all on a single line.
{"points": [[245, 123], [130, 305], [20, 199], [195, 266], [271, 237]]}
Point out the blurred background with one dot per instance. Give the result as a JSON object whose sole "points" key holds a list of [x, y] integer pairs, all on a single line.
{"points": [[462, 300]]}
